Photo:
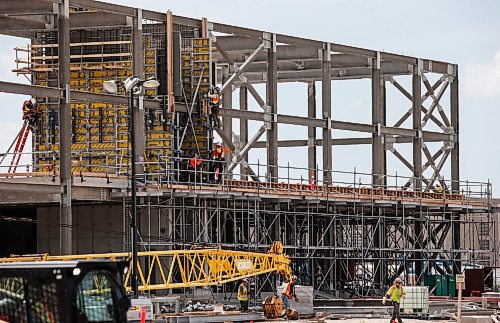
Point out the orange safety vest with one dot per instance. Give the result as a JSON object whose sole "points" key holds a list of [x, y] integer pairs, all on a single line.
{"points": [[216, 99], [218, 154], [194, 162], [287, 290]]}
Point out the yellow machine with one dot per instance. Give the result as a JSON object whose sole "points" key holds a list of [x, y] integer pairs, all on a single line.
{"points": [[187, 268]]}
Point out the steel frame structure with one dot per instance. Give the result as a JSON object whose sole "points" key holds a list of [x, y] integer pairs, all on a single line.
{"points": [[338, 237]]}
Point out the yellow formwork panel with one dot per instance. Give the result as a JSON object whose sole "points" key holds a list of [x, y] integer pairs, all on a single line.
{"points": [[102, 146]]}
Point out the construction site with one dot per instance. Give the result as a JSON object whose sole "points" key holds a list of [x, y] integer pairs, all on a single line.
{"points": [[136, 155]]}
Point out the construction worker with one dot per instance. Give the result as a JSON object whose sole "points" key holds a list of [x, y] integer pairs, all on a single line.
{"points": [[438, 188], [395, 294], [217, 157], [288, 293], [214, 96], [30, 112], [243, 295], [195, 167]]}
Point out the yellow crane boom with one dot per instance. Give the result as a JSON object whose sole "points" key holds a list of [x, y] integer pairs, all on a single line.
{"points": [[187, 268]]}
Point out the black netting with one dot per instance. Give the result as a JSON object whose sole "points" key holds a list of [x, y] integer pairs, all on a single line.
{"points": [[28, 300]]}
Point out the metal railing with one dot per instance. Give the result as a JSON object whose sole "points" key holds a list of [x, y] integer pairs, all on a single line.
{"points": [[168, 170]]}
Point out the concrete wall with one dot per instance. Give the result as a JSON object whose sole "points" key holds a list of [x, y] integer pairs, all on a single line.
{"points": [[96, 229]]}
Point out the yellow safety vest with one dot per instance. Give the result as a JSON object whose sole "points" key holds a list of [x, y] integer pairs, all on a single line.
{"points": [[243, 293], [396, 293]]}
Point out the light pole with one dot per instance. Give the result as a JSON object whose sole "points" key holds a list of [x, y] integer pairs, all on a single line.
{"points": [[133, 85]]}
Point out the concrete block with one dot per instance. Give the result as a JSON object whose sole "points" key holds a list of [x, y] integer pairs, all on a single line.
{"points": [[476, 319]]}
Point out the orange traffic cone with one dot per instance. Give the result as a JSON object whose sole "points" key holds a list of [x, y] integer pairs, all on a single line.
{"points": [[143, 314]]}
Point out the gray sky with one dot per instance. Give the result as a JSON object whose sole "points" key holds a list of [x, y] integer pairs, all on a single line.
{"points": [[462, 32]]}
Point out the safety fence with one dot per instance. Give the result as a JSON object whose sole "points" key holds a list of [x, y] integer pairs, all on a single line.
{"points": [[198, 173]]}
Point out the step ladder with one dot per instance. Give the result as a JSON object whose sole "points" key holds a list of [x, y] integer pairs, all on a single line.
{"points": [[18, 150]]}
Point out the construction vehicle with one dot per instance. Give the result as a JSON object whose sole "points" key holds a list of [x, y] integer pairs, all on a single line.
{"points": [[63, 291], [163, 270]]}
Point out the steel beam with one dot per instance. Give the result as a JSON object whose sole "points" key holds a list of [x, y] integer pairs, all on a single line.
{"points": [[66, 217], [311, 131], [326, 103], [242, 67], [272, 107], [244, 150]]}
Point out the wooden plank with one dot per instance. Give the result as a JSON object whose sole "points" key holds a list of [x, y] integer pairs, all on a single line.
{"points": [[117, 42]]}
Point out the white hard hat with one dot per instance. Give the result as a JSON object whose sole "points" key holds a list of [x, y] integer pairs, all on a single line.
{"points": [[398, 280], [33, 101]]}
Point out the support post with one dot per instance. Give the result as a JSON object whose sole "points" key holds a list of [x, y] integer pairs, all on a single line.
{"points": [[326, 99], [133, 187], [170, 61], [455, 168], [272, 105], [455, 162], [227, 121], [243, 130], [417, 161], [66, 216], [417, 126], [311, 131], [138, 70], [378, 120]]}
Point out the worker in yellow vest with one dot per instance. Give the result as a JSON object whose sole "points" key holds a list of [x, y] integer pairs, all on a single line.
{"points": [[243, 295], [395, 294], [288, 292]]}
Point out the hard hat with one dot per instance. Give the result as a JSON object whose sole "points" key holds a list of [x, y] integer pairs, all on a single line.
{"points": [[33, 101], [217, 89], [245, 280], [218, 144], [398, 280], [294, 277]]}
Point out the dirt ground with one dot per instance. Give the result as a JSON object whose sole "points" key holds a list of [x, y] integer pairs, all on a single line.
{"points": [[386, 320]]}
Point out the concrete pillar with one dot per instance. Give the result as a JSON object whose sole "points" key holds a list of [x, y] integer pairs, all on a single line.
{"points": [[66, 216]]}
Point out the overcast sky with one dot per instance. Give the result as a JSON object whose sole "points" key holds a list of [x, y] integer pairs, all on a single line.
{"points": [[462, 32]]}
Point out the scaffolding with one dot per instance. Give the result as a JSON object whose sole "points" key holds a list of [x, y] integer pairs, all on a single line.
{"points": [[348, 233]]}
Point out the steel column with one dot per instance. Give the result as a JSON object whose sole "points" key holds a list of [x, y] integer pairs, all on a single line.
{"points": [[455, 167], [243, 129], [66, 216], [326, 100], [227, 103], [311, 131], [378, 151], [417, 126], [417, 161], [272, 106]]}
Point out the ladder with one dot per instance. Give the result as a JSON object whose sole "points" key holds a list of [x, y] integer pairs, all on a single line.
{"points": [[18, 150]]}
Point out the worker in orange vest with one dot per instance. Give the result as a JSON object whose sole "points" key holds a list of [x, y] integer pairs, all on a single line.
{"points": [[288, 292], [195, 168], [217, 157], [214, 96]]}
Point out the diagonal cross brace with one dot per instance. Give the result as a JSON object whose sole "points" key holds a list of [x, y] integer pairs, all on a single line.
{"points": [[228, 142], [242, 67], [410, 97], [247, 147]]}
